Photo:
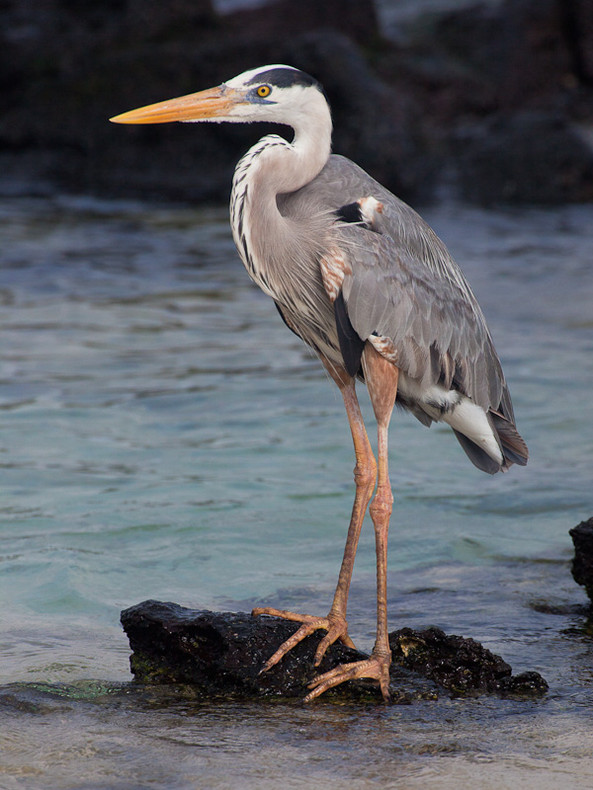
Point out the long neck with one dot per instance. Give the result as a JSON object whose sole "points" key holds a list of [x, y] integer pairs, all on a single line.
{"points": [[264, 237]]}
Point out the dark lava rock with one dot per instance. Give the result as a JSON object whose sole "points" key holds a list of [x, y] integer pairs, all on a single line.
{"points": [[577, 22], [524, 157], [510, 85], [496, 55], [460, 665], [582, 564], [222, 654]]}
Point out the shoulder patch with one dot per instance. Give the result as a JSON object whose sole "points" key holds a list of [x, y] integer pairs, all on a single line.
{"points": [[365, 212], [349, 213]]}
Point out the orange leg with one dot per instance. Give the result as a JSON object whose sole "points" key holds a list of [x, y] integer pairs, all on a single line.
{"points": [[365, 473], [381, 378]]}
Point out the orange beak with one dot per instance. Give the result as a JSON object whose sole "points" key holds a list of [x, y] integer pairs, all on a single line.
{"points": [[211, 103]]}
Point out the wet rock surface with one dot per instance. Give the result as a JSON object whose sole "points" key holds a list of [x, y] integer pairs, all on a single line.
{"points": [[582, 564], [221, 654], [460, 665], [496, 99]]}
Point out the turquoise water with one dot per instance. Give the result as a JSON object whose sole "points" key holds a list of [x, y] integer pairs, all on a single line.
{"points": [[164, 436]]}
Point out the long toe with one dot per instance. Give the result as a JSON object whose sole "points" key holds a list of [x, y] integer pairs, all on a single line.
{"points": [[335, 625], [335, 632], [375, 668]]}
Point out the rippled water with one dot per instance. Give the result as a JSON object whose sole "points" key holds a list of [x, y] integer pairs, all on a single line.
{"points": [[164, 436]]}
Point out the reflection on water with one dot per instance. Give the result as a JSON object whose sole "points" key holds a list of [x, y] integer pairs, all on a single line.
{"points": [[164, 436]]}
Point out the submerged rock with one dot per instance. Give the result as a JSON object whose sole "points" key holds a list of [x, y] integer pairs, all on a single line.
{"points": [[582, 564], [223, 653]]}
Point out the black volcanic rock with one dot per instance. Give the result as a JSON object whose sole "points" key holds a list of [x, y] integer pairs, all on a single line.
{"points": [[582, 564], [525, 157], [223, 653], [460, 665]]}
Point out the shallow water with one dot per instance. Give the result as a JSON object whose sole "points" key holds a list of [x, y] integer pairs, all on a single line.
{"points": [[163, 436]]}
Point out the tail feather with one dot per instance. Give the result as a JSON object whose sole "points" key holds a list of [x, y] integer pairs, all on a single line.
{"points": [[488, 435], [512, 443], [477, 455]]}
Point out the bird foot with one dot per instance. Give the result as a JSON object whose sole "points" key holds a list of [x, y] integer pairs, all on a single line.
{"points": [[376, 667], [335, 625]]}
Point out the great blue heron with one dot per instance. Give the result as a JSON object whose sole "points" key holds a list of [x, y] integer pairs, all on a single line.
{"points": [[366, 283]]}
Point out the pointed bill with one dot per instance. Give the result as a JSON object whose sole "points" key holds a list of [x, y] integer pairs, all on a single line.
{"points": [[211, 103]]}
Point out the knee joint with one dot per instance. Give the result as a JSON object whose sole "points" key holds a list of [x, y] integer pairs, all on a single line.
{"points": [[365, 474], [382, 504]]}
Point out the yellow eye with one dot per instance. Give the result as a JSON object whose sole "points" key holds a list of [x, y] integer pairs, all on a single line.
{"points": [[263, 91]]}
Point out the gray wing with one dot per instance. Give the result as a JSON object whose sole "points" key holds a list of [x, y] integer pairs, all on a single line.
{"points": [[403, 285]]}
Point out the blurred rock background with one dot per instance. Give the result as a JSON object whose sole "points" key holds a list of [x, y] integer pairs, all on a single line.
{"points": [[492, 101]]}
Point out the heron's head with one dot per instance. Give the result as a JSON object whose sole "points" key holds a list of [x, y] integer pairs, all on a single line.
{"points": [[280, 94]]}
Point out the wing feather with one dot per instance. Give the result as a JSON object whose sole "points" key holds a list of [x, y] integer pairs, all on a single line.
{"points": [[402, 284]]}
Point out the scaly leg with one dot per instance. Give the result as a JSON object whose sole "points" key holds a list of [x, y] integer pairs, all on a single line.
{"points": [[365, 473], [381, 377]]}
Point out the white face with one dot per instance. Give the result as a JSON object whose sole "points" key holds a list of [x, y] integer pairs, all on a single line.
{"points": [[276, 93]]}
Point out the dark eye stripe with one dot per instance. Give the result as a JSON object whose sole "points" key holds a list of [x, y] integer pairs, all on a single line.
{"points": [[284, 78]]}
